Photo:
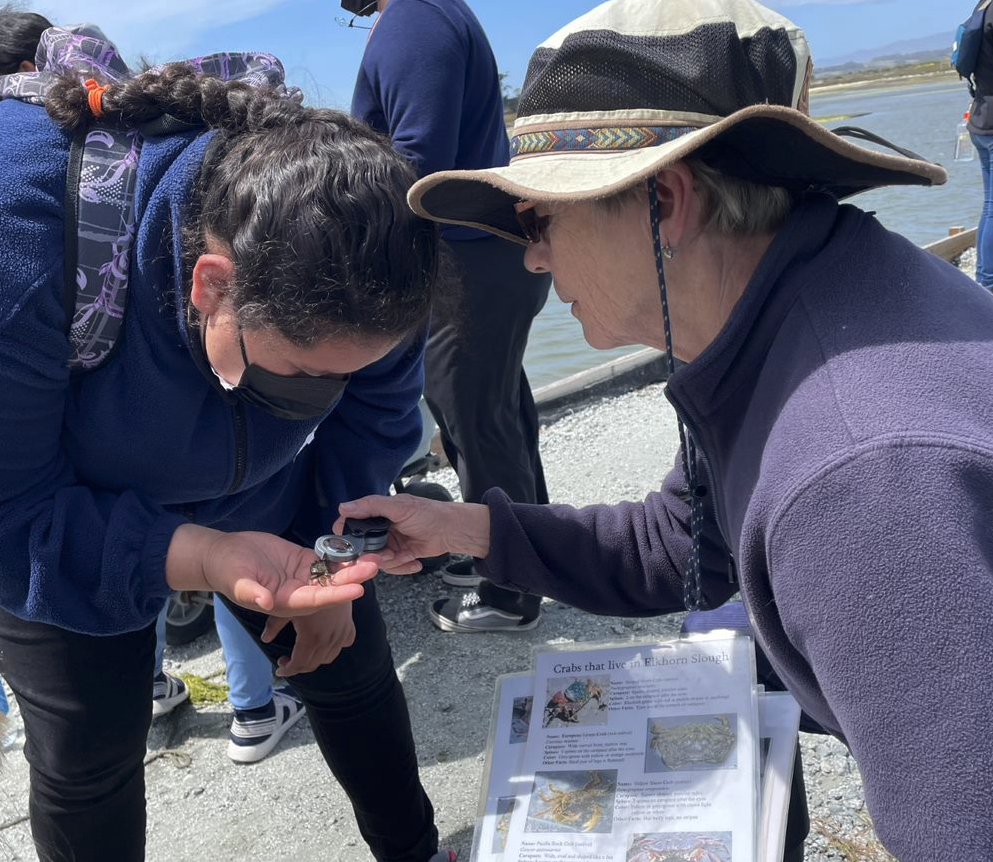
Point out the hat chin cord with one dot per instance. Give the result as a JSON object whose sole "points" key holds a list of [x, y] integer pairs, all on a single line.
{"points": [[692, 590]]}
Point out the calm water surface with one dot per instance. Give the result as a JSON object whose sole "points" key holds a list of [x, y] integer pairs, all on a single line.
{"points": [[920, 117]]}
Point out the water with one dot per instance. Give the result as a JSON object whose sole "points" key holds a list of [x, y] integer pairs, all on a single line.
{"points": [[922, 117]]}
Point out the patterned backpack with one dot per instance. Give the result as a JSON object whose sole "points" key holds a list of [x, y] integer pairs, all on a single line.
{"points": [[102, 174]]}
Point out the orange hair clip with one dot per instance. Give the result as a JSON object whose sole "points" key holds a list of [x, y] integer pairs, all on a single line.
{"points": [[96, 91]]}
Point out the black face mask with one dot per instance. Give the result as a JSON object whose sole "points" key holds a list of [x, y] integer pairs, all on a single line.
{"points": [[294, 398], [361, 8]]}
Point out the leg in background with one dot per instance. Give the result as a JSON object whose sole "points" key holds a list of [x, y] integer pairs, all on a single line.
{"points": [[797, 816], [247, 668], [984, 232], [477, 389], [160, 640]]}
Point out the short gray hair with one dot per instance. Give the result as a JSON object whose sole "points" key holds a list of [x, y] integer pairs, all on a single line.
{"points": [[736, 207], [731, 206]]}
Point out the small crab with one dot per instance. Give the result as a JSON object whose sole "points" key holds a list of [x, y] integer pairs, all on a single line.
{"points": [[361, 535], [319, 572]]}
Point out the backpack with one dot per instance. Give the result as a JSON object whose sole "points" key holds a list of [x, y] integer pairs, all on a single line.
{"points": [[968, 43], [102, 174]]}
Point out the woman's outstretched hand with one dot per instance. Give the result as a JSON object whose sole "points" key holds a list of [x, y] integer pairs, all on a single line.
{"points": [[259, 571], [422, 528]]}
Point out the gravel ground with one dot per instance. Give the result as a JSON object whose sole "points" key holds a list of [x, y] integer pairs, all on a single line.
{"points": [[203, 806]]}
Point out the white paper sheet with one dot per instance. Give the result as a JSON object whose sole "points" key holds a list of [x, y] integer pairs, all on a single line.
{"points": [[638, 751]]}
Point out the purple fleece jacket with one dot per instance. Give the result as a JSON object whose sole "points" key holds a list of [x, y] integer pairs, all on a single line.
{"points": [[845, 419]]}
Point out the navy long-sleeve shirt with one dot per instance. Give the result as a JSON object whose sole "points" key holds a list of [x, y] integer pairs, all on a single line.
{"points": [[429, 80], [845, 412]]}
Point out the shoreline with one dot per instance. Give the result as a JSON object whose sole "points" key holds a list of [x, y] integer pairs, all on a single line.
{"points": [[894, 80]]}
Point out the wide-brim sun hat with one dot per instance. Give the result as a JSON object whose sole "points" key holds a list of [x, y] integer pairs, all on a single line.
{"points": [[634, 86]]}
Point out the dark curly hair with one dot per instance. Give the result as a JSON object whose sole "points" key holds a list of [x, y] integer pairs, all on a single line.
{"points": [[20, 33], [309, 203]]}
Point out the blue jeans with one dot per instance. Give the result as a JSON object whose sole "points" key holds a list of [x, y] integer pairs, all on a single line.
{"points": [[984, 234], [248, 671]]}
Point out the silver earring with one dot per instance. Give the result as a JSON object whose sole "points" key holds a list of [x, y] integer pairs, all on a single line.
{"points": [[668, 252]]}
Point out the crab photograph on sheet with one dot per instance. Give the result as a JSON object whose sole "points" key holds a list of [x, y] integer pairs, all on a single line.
{"points": [[691, 742], [504, 811], [572, 801], [680, 847], [580, 700], [520, 719]]}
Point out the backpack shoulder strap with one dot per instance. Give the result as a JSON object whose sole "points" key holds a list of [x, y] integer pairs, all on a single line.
{"points": [[100, 227], [99, 195], [69, 225]]}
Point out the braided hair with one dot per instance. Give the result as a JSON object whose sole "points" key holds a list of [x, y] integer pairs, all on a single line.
{"points": [[309, 203], [19, 36]]}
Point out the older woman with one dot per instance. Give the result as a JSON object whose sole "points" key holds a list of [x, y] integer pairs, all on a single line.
{"points": [[837, 465]]}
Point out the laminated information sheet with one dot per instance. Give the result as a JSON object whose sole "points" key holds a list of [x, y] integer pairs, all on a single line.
{"points": [[641, 752], [504, 778]]}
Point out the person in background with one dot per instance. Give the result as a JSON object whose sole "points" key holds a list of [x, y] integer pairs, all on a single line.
{"points": [[19, 35], [836, 465], [271, 358], [450, 115], [981, 132]]}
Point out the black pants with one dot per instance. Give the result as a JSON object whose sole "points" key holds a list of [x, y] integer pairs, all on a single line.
{"points": [[86, 706], [476, 387]]}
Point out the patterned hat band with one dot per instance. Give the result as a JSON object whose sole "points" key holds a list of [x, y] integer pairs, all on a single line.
{"points": [[604, 139]]}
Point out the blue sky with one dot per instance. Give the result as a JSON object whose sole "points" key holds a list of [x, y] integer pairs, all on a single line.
{"points": [[321, 56]]}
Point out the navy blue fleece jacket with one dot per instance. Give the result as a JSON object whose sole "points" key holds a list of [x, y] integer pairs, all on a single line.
{"points": [[845, 414], [97, 469], [429, 80]]}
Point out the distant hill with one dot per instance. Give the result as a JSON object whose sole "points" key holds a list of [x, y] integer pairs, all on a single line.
{"points": [[935, 47]]}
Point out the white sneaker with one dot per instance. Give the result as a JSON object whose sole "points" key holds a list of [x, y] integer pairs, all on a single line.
{"points": [[256, 732], [168, 692]]}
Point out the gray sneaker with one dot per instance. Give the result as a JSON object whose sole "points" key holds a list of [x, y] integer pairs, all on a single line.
{"points": [[460, 571], [469, 614], [443, 856]]}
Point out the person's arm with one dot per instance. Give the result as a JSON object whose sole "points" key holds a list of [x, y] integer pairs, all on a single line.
{"points": [[415, 70], [627, 559], [882, 576]]}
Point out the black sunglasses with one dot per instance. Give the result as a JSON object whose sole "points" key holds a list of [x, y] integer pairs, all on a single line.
{"points": [[532, 224]]}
